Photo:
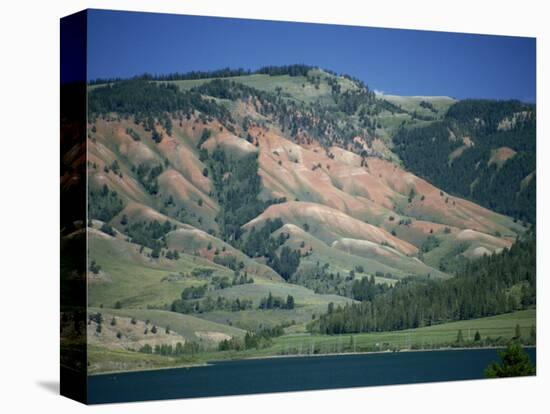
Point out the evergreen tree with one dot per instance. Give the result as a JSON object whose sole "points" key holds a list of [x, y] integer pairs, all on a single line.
{"points": [[146, 349], [514, 363], [94, 267], [290, 302], [517, 331], [108, 229]]}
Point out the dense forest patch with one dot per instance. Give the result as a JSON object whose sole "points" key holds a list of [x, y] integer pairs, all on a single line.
{"points": [[483, 288], [485, 126]]}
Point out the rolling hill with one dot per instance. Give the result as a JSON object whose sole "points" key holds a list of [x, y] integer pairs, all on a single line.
{"points": [[240, 203]]}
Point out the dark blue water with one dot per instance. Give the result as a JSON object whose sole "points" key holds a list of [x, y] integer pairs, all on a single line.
{"points": [[292, 374]]}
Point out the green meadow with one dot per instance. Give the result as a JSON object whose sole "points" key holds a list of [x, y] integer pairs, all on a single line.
{"points": [[499, 329]]}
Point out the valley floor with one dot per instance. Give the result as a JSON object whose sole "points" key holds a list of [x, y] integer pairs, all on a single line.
{"points": [[494, 331]]}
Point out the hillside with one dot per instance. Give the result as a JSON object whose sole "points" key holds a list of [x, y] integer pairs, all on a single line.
{"points": [[252, 201], [481, 150]]}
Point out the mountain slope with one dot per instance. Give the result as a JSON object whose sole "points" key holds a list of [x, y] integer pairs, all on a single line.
{"points": [[210, 196], [482, 150]]}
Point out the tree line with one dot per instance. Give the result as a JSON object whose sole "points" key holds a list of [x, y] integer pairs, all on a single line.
{"points": [[276, 302], [291, 70], [148, 101], [252, 340], [483, 288]]}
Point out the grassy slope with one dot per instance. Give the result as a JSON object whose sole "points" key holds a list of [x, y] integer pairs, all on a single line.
{"points": [[495, 326], [260, 289], [135, 280], [296, 87], [185, 325], [341, 260], [412, 103], [391, 122], [102, 360], [192, 240], [307, 302]]}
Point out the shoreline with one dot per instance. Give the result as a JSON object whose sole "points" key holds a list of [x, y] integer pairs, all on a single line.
{"points": [[195, 365], [260, 357], [366, 353]]}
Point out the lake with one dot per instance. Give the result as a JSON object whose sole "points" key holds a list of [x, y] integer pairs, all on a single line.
{"points": [[293, 374]]}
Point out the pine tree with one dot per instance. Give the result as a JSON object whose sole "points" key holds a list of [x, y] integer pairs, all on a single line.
{"points": [[290, 302], [517, 334], [514, 363]]}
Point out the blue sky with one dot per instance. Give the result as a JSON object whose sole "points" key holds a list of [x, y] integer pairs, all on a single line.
{"points": [[405, 62]]}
